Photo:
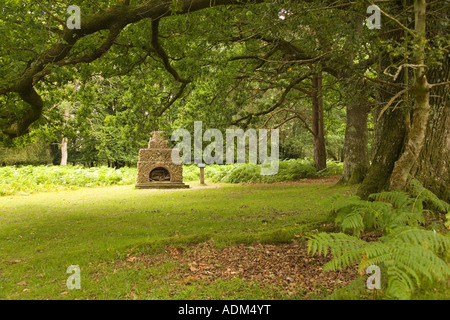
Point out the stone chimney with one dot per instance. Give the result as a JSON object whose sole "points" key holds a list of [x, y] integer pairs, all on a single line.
{"points": [[155, 167]]}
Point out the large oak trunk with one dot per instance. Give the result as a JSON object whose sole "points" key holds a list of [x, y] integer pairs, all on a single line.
{"points": [[433, 165], [387, 146], [356, 155], [425, 152], [421, 108]]}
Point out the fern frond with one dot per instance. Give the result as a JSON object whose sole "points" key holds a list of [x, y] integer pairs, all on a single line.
{"points": [[334, 243], [398, 285], [352, 220], [399, 218], [398, 199], [431, 240], [418, 190], [343, 261], [408, 255], [340, 201], [361, 215]]}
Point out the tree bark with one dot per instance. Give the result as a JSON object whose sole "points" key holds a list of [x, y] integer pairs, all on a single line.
{"points": [[388, 141], [421, 109], [388, 138], [433, 165], [320, 155], [395, 158], [64, 152], [356, 154]]}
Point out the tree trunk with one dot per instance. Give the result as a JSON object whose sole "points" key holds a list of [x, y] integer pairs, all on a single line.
{"points": [[390, 168], [387, 146], [433, 165], [356, 154], [355, 151], [320, 155], [421, 109], [64, 153], [388, 139]]}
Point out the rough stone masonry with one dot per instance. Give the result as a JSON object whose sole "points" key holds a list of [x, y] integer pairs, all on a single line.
{"points": [[155, 168]]}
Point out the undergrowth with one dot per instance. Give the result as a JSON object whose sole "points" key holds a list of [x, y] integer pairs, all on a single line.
{"points": [[30, 179], [409, 252], [288, 170]]}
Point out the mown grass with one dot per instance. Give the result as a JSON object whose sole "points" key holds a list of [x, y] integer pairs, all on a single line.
{"points": [[42, 234]]}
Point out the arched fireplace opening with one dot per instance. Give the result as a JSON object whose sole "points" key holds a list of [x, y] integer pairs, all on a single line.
{"points": [[159, 174]]}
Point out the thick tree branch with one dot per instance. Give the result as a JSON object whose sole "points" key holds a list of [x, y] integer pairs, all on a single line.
{"points": [[114, 19], [165, 59], [280, 101], [398, 94], [97, 53], [440, 84], [162, 54], [298, 115]]}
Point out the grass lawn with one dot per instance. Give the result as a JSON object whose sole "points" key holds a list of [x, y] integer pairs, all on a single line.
{"points": [[121, 238]]}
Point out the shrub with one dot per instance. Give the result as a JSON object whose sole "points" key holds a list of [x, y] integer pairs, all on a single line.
{"points": [[288, 170], [191, 172]]}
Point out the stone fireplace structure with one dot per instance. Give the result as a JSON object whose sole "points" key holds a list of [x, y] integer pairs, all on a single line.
{"points": [[155, 167]]}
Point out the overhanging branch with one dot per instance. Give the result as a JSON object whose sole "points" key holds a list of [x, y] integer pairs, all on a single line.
{"points": [[114, 18]]}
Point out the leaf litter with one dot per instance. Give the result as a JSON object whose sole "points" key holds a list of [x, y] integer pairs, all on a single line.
{"points": [[287, 267]]}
